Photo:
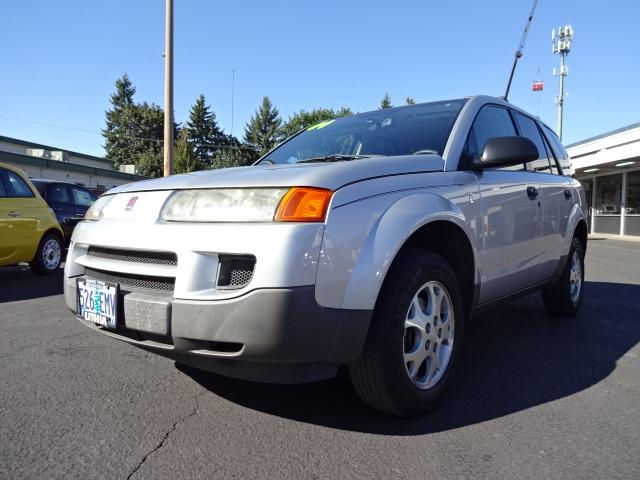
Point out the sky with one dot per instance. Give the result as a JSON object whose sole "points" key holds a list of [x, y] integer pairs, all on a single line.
{"points": [[59, 61]]}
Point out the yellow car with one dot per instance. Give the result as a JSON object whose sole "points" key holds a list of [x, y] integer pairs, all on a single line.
{"points": [[29, 231]]}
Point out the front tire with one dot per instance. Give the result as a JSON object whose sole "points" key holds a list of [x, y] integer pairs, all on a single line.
{"points": [[48, 255], [415, 337], [563, 299]]}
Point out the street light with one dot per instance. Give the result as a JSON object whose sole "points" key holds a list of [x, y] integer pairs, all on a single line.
{"points": [[562, 46]]}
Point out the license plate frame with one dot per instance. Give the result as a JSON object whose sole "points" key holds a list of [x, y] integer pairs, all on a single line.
{"points": [[98, 302]]}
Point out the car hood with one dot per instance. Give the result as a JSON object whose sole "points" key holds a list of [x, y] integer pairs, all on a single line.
{"points": [[331, 175]]}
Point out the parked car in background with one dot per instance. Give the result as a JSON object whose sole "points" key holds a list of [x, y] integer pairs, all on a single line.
{"points": [[68, 200], [367, 241], [29, 231]]}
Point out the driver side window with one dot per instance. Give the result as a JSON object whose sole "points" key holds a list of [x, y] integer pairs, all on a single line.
{"points": [[491, 121]]}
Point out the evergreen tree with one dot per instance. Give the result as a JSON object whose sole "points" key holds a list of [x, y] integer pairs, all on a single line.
{"points": [[148, 128], [204, 134], [185, 159], [234, 154], [150, 164], [303, 119], [262, 133], [385, 102], [410, 101], [119, 122], [134, 131]]}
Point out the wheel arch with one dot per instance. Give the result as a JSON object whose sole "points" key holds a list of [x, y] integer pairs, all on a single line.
{"points": [[581, 234], [424, 221], [456, 250], [54, 231]]}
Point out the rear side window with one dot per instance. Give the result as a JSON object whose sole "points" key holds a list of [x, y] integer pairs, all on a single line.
{"points": [[3, 190], [57, 194], [13, 185], [82, 197], [529, 129], [561, 154]]}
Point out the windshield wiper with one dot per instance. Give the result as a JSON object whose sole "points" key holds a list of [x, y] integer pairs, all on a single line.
{"points": [[336, 157]]}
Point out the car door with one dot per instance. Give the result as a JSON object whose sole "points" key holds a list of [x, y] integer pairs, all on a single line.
{"points": [[19, 214], [81, 199], [555, 196], [59, 199], [558, 201], [512, 220]]}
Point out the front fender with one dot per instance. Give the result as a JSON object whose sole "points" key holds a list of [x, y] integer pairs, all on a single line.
{"points": [[362, 239]]}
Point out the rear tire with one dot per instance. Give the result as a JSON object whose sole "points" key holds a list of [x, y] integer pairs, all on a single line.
{"points": [[563, 299], [48, 255], [415, 337]]}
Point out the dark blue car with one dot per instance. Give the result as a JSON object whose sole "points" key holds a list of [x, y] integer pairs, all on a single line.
{"points": [[67, 200]]}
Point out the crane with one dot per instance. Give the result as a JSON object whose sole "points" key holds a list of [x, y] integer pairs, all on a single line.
{"points": [[521, 47]]}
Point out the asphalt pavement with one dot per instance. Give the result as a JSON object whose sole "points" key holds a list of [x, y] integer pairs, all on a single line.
{"points": [[534, 398]]}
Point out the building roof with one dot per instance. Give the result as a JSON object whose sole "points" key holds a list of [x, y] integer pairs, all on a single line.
{"points": [[19, 159], [609, 153], [25, 143], [604, 135]]}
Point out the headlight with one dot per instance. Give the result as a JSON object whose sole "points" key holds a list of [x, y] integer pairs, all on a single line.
{"points": [[95, 210], [248, 205]]}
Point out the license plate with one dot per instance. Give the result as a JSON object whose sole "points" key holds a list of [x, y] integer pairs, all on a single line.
{"points": [[98, 302]]}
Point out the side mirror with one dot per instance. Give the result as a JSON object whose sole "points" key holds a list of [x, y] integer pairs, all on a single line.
{"points": [[505, 152]]}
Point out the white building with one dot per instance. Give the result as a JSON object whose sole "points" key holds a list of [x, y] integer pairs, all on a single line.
{"points": [[51, 163], [608, 166]]}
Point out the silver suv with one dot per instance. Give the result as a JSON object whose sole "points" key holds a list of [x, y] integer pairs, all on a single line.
{"points": [[366, 241]]}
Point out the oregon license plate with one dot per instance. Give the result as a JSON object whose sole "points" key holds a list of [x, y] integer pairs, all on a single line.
{"points": [[98, 302]]}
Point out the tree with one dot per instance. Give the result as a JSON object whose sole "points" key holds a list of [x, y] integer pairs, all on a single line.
{"points": [[303, 119], [118, 122], [262, 132], [150, 164], [134, 131], [385, 102], [146, 139], [185, 159], [410, 101], [203, 132], [234, 154]]}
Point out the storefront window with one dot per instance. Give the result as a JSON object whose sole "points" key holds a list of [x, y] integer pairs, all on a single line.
{"points": [[587, 184], [632, 207], [609, 195], [607, 207]]}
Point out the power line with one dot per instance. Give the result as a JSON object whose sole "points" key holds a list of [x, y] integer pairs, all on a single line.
{"points": [[33, 122], [74, 129]]}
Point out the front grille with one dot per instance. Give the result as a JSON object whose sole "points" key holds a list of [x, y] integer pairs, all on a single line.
{"points": [[162, 284], [235, 271], [155, 258]]}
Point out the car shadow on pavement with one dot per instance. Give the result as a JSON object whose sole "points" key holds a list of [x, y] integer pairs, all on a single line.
{"points": [[18, 282], [514, 358]]}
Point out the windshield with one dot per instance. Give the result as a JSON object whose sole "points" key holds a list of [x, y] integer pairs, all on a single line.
{"points": [[409, 130]]}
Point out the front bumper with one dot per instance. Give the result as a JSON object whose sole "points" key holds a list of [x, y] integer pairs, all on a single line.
{"points": [[275, 335]]}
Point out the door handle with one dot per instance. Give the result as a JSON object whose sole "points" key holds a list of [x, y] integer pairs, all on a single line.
{"points": [[532, 191], [14, 214]]}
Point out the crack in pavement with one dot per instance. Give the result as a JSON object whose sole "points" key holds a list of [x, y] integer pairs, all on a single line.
{"points": [[166, 437]]}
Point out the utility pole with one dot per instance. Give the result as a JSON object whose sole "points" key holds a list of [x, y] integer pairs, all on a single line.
{"points": [[168, 90], [562, 46]]}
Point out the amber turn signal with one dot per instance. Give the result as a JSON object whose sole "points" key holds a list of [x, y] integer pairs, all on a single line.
{"points": [[304, 204]]}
